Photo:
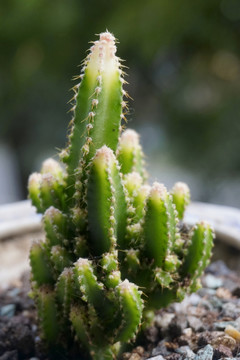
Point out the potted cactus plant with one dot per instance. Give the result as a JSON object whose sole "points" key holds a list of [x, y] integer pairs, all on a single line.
{"points": [[115, 248]]}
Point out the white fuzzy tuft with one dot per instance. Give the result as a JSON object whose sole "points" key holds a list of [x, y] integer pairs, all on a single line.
{"points": [[104, 154], [158, 190], [129, 138], [181, 187]]}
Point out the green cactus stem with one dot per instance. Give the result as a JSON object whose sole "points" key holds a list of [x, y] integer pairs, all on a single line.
{"points": [[160, 230], [113, 250], [197, 253], [47, 189], [34, 190], [98, 105], [181, 198], [131, 307], [107, 206], [130, 154], [40, 264], [48, 315]]}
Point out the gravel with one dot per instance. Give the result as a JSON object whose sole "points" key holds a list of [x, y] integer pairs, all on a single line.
{"points": [[196, 329]]}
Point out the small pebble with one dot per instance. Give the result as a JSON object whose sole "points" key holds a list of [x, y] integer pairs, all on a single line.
{"points": [[230, 284], [161, 349], [152, 334], [187, 352], [13, 292], [216, 302], [234, 333], [139, 350], [187, 332], [173, 356], [126, 355], [222, 351], [34, 327], [8, 310], [230, 310], [163, 321], [196, 311], [37, 339], [212, 282], [194, 299], [135, 356], [207, 305], [225, 340], [205, 291], [195, 323], [219, 268], [26, 313], [203, 339], [221, 325], [223, 293], [177, 325], [205, 354], [237, 322]]}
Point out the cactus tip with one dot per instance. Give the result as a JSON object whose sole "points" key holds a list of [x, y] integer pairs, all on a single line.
{"points": [[129, 138], [82, 262], [158, 190], [107, 36], [104, 154], [34, 179], [134, 178], [125, 286], [181, 187], [145, 189], [50, 166]]}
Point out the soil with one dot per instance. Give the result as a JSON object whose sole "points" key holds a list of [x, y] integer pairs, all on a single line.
{"points": [[204, 326]]}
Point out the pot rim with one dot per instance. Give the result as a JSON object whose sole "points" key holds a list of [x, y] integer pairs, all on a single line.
{"points": [[21, 218]]}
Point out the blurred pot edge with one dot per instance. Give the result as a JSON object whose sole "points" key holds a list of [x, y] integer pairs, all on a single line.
{"points": [[21, 218]]}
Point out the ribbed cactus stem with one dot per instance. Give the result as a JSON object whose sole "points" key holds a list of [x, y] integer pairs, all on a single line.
{"points": [[55, 225], [132, 259], [98, 109], [40, 264], [51, 192], [113, 279], [109, 261], [132, 182], [48, 315], [181, 198], [65, 291], [131, 307], [79, 321], [139, 201], [159, 229], [107, 207], [34, 183], [198, 252], [129, 153], [60, 258], [92, 290]]}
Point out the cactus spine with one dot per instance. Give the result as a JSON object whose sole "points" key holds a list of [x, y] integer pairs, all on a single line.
{"points": [[108, 233]]}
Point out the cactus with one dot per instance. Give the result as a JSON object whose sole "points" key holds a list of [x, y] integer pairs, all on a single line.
{"points": [[113, 250]]}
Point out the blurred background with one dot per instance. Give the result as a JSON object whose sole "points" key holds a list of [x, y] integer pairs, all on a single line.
{"points": [[184, 74]]}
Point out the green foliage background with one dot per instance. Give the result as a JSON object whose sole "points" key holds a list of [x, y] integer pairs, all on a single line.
{"points": [[184, 74]]}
